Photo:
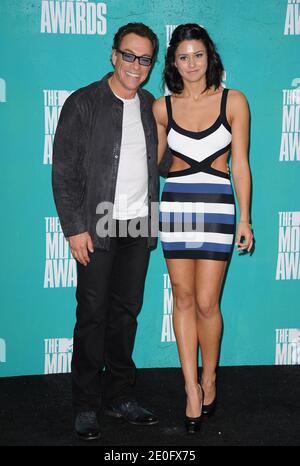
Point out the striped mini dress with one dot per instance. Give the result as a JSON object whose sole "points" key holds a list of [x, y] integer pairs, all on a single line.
{"points": [[197, 209]]}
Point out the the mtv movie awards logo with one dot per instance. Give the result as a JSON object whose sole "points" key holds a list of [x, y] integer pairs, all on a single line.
{"points": [[290, 137], [2, 90], [60, 267], [58, 355], [167, 333], [287, 346], [73, 17], [292, 18], [2, 350], [288, 265], [53, 102]]}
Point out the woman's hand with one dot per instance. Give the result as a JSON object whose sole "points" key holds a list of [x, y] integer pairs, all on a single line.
{"points": [[244, 237]]}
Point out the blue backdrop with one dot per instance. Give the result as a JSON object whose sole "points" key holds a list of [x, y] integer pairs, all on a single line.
{"points": [[51, 48]]}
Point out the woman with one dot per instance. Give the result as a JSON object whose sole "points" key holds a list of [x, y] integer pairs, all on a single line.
{"points": [[201, 121]]}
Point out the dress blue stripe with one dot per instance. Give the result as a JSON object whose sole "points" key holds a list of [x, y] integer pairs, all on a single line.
{"points": [[187, 246], [219, 218], [172, 217], [197, 188]]}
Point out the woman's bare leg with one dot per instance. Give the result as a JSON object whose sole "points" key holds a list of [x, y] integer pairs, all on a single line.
{"points": [[209, 279], [182, 276]]}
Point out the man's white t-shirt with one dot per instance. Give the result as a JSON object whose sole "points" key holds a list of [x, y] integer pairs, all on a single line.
{"points": [[131, 196]]}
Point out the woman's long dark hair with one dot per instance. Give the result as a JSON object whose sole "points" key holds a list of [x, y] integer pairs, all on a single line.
{"points": [[214, 64]]}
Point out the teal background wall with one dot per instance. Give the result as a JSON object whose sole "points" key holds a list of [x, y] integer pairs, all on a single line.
{"points": [[258, 41]]}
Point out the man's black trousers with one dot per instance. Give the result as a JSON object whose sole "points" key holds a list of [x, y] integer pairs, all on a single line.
{"points": [[109, 298]]}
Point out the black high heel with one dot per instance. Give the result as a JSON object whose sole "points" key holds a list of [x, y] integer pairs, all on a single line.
{"points": [[193, 424], [208, 410]]}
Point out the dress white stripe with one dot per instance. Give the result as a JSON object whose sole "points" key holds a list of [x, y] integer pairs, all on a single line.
{"points": [[199, 149], [196, 237], [199, 178], [197, 207]]}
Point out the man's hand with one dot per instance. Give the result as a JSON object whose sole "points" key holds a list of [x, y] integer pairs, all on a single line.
{"points": [[80, 245]]}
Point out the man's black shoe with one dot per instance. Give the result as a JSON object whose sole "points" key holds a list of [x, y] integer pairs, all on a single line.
{"points": [[132, 412], [86, 425]]}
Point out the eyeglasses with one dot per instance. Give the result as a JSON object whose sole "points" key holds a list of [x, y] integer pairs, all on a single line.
{"points": [[130, 57]]}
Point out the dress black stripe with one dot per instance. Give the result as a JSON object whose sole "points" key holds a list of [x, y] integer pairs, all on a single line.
{"points": [[198, 197], [186, 254]]}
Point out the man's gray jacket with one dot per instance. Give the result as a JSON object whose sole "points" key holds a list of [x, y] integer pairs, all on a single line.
{"points": [[86, 155]]}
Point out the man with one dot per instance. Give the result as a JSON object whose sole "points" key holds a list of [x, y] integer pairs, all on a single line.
{"points": [[105, 155]]}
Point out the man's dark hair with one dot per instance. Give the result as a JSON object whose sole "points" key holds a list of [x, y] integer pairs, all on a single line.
{"points": [[139, 29], [214, 64]]}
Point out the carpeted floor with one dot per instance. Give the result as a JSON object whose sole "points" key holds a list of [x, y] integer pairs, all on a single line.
{"points": [[257, 406]]}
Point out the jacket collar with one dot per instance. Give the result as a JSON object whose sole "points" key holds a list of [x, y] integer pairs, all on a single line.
{"points": [[103, 84]]}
